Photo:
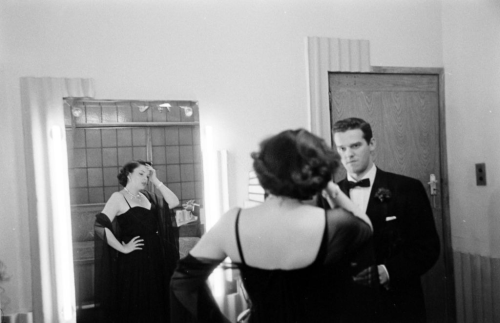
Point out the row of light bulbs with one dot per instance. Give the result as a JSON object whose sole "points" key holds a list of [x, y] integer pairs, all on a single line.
{"points": [[188, 111]]}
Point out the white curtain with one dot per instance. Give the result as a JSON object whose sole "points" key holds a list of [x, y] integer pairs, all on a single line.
{"points": [[48, 194]]}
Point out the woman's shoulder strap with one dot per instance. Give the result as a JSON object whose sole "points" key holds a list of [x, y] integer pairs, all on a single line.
{"points": [[127, 201], [236, 227]]}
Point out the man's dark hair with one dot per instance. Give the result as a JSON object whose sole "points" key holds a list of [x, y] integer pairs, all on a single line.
{"points": [[354, 123]]}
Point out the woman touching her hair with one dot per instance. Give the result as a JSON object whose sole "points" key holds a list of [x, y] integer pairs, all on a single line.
{"points": [[293, 256], [132, 270]]}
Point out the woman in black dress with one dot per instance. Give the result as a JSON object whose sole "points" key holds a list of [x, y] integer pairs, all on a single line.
{"points": [[293, 256], [131, 249]]}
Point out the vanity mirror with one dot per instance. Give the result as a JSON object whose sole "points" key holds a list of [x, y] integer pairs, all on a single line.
{"points": [[103, 135]]}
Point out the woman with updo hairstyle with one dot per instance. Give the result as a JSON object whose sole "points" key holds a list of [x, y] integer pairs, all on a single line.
{"points": [[293, 256], [135, 249], [294, 164]]}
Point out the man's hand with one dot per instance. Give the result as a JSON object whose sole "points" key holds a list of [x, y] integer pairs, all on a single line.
{"points": [[383, 276], [366, 275]]}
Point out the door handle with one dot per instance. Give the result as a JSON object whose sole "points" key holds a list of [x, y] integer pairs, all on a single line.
{"points": [[433, 189], [432, 185]]}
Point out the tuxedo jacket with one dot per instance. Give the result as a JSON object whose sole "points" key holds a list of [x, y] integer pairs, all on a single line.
{"points": [[405, 240]]}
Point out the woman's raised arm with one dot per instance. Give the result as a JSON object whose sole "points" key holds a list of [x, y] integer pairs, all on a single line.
{"points": [[336, 197], [167, 194]]}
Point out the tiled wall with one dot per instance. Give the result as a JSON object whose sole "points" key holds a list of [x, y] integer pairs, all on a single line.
{"points": [[177, 159], [96, 155]]}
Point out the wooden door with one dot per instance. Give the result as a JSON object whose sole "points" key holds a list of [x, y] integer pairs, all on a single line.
{"points": [[404, 112]]}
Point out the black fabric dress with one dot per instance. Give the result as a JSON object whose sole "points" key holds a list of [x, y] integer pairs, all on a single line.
{"points": [[133, 287], [315, 293]]}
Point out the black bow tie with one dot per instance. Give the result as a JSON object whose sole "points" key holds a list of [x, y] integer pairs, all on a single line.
{"points": [[362, 183]]}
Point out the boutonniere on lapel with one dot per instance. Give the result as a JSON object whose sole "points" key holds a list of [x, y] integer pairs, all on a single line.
{"points": [[383, 195]]}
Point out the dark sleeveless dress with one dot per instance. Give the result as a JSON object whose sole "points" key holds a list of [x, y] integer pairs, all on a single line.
{"points": [[133, 287], [142, 292], [315, 293]]}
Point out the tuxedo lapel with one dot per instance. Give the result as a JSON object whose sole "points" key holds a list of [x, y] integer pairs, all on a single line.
{"points": [[374, 210]]}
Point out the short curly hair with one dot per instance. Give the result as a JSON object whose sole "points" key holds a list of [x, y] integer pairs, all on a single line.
{"points": [[352, 124], [129, 168], [294, 163]]}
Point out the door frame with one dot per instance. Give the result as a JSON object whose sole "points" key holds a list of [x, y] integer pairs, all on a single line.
{"points": [[450, 303]]}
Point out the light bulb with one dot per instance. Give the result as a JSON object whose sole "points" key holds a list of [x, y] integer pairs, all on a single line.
{"points": [[188, 111], [77, 112], [142, 108]]}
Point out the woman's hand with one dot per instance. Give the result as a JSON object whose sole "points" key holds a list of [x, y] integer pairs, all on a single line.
{"points": [[132, 245], [152, 175], [336, 198], [330, 193], [332, 190]]}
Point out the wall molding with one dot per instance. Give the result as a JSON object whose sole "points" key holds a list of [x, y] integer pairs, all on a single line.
{"points": [[330, 55]]}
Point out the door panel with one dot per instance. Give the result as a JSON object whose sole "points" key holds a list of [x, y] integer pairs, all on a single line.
{"points": [[403, 110]]}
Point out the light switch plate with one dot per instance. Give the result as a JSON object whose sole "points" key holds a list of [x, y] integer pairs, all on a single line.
{"points": [[481, 174]]}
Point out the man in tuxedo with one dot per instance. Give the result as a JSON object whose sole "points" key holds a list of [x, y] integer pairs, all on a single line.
{"points": [[405, 240]]}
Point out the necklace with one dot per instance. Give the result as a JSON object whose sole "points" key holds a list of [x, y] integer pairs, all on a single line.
{"points": [[138, 196]]}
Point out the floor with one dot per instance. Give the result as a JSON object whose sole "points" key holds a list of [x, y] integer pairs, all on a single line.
{"points": [[86, 316]]}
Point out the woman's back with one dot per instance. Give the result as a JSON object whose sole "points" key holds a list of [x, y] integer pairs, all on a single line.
{"points": [[282, 291], [280, 234]]}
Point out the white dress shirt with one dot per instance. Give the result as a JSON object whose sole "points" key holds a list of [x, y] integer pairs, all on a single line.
{"points": [[361, 195]]}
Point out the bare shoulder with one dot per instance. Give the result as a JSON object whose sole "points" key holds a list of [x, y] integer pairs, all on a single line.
{"points": [[215, 243], [228, 219], [114, 205], [115, 198], [223, 230]]}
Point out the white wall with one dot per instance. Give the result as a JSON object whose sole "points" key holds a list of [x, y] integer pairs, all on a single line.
{"points": [[244, 61], [471, 49]]}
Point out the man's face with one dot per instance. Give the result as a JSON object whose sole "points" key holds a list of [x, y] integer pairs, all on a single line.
{"points": [[354, 151]]}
